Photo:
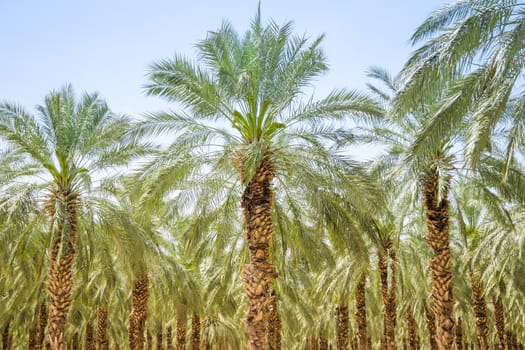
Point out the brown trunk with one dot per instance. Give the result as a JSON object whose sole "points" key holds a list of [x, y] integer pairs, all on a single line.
{"points": [[274, 323], [388, 292], [181, 333], [511, 340], [480, 311], [500, 322], [60, 282], [459, 335], [42, 324], [139, 312], [75, 342], [413, 339], [431, 328], [6, 337], [257, 206], [342, 327], [90, 339], [102, 328], [195, 332], [323, 343], [360, 314], [33, 335], [159, 337], [438, 237], [169, 339]]}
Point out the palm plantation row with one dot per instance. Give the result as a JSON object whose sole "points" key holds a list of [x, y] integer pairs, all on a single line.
{"points": [[249, 225]]}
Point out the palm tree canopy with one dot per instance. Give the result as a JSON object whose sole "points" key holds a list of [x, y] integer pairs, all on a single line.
{"points": [[67, 140], [473, 50], [244, 93]]}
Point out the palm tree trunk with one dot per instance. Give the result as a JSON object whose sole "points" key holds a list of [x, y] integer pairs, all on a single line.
{"points": [[438, 237], [181, 333], [323, 343], [159, 337], [257, 205], [500, 322], [75, 342], [342, 327], [60, 283], [102, 328], [139, 312], [413, 340], [389, 294], [480, 310], [169, 339], [195, 332], [431, 328], [90, 338], [274, 323], [360, 314], [33, 335], [42, 324], [6, 337], [459, 335]]}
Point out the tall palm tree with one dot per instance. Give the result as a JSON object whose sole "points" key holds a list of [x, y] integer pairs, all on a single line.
{"points": [[244, 124], [428, 171], [67, 142]]}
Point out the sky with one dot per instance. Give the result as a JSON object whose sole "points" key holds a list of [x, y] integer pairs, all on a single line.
{"points": [[107, 45]]}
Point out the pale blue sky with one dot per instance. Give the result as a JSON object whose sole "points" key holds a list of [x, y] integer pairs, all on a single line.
{"points": [[106, 46]]}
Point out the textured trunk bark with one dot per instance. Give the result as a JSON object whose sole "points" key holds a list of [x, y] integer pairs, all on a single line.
{"points": [[257, 205], [274, 323], [342, 327], [169, 339], [60, 282], [323, 343], [360, 314], [499, 317], [181, 333], [413, 338], [459, 335], [159, 337], [195, 332], [33, 335], [438, 237], [388, 293], [42, 324], [480, 311], [431, 328], [90, 338], [139, 312], [102, 328], [75, 343], [6, 337]]}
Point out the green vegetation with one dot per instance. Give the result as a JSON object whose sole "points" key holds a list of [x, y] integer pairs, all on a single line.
{"points": [[251, 226]]}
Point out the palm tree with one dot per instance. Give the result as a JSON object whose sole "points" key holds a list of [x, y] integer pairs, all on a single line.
{"points": [[429, 172], [67, 142], [244, 124]]}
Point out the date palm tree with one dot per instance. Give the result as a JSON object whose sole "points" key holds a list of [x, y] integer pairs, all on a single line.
{"points": [[424, 173], [65, 144], [243, 123]]}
